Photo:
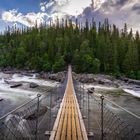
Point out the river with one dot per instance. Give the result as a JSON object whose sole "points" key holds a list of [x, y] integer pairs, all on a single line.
{"points": [[127, 96], [13, 97]]}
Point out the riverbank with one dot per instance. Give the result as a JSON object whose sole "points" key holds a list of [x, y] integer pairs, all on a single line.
{"points": [[109, 82]]}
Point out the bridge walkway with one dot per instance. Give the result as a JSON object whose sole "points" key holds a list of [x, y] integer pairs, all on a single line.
{"points": [[69, 123]]}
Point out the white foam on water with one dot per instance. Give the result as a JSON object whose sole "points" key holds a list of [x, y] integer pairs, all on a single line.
{"points": [[133, 92], [87, 86], [34, 76], [16, 94], [2, 81], [18, 78], [130, 91]]}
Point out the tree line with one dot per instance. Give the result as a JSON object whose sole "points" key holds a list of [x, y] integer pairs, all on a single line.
{"points": [[90, 48]]}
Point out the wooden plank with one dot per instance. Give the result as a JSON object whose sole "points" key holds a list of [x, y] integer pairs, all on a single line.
{"points": [[64, 129], [55, 127], [79, 133], [74, 131], [58, 133], [69, 122], [80, 118]]}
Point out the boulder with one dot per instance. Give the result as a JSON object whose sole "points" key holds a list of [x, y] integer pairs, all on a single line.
{"points": [[14, 85], [1, 99], [91, 90], [60, 76], [130, 81], [33, 85], [135, 82], [27, 74], [34, 114], [85, 78], [101, 82]]}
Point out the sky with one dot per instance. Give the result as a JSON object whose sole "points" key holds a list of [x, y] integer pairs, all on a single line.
{"points": [[23, 6], [28, 12]]}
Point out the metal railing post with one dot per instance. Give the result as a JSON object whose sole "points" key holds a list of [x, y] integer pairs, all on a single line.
{"points": [[36, 131], [83, 98], [88, 112], [51, 109], [80, 95], [102, 117]]}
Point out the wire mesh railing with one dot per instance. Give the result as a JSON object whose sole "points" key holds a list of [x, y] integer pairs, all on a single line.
{"points": [[21, 123], [31, 120], [112, 126], [101, 122]]}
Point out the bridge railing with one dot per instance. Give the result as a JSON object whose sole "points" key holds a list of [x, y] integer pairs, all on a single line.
{"points": [[112, 126], [31, 120], [22, 122], [102, 123]]}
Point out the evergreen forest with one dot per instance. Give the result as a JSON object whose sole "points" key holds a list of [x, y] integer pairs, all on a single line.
{"points": [[90, 47]]}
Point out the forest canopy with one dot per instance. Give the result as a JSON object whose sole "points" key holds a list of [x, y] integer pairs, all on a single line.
{"points": [[92, 48]]}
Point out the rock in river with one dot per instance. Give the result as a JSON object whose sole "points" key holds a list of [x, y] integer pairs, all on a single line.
{"points": [[33, 85], [91, 90], [33, 115], [14, 85], [1, 99]]}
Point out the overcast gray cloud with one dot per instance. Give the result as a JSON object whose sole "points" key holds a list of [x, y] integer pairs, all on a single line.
{"points": [[122, 11], [136, 8], [114, 4]]}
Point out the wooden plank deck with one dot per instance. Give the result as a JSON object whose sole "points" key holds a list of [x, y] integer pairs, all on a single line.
{"points": [[69, 123]]}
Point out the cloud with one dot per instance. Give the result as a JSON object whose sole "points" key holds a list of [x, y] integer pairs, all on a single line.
{"points": [[136, 8], [54, 9], [110, 6], [44, 5], [118, 12], [65, 7], [29, 19]]}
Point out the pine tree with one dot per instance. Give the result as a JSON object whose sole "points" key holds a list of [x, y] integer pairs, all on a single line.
{"points": [[131, 62]]}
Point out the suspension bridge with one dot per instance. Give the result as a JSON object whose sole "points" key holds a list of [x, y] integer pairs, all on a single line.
{"points": [[69, 124], [72, 114]]}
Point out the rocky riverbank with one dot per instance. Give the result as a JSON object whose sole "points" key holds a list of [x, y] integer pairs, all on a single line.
{"points": [[60, 76], [104, 79], [84, 78], [128, 85]]}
